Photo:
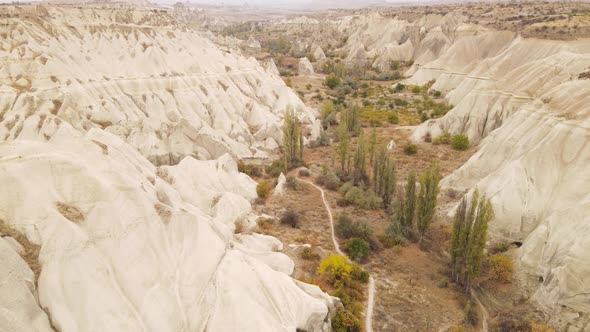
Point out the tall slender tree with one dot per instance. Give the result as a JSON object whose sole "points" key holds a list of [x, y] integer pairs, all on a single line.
{"points": [[360, 155], [292, 138], [429, 189], [384, 176], [343, 144], [372, 145], [469, 238], [410, 205]]}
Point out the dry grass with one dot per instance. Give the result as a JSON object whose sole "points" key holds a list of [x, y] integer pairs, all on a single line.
{"points": [[31, 250], [70, 212]]}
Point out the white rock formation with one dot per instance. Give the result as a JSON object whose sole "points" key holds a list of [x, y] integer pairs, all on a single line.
{"points": [[271, 67], [253, 43], [97, 207], [121, 78], [305, 67], [280, 187], [89, 96], [318, 54]]}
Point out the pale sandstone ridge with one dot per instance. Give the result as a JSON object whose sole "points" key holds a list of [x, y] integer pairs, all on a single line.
{"points": [[159, 255], [166, 90], [94, 103]]}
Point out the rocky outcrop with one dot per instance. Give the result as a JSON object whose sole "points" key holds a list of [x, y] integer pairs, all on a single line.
{"points": [[318, 54], [253, 43], [122, 77], [124, 242], [305, 67], [107, 117], [271, 67]]}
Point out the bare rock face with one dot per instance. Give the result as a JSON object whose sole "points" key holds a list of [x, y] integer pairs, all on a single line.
{"points": [[318, 54], [253, 43], [305, 67], [169, 92], [271, 67], [120, 129]]}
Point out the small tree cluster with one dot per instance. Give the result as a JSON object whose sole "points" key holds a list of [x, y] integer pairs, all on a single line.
{"points": [[427, 198], [469, 238], [292, 139]]}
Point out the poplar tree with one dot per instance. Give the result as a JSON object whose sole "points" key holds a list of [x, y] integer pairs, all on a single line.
{"points": [[342, 144], [292, 138], [429, 190], [384, 175], [359, 173], [410, 200], [469, 238], [372, 145]]}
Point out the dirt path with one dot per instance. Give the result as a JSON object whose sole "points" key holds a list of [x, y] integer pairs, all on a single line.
{"points": [[371, 290], [484, 312]]}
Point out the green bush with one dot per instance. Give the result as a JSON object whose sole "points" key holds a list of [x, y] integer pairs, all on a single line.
{"points": [[363, 199], [345, 321], [251, 170], [347, 228], [276, 168], [329, 180], [263, 189], [393, 118], [437, 93], [304, 172], [359, 274], [416, 89], [332, 81], [410, 149], [357, 249], [399, 87], [290, 217], [444, 138], [460, 142], [292, 183]]}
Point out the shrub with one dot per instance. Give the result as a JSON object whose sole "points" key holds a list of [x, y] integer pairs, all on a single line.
{"points": [[264, 223], [308, 254], [347, 228], [292, 183], [251, 170], [357, 248], [290, 217], [263, 189], [288, 82], [393, 118], [437, 93], [332, 81], [499, 247], [304, 172], [275, 169], [359, 274], [329, 180], [410, 149], [399, 87], [501, 268], [416, 89], [460, 142], [444, 138], [345, 321], [363, 199], [443, 282], [336, 270]]}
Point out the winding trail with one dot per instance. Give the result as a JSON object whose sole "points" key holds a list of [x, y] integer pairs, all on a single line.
{"points": [[371, 290]]}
